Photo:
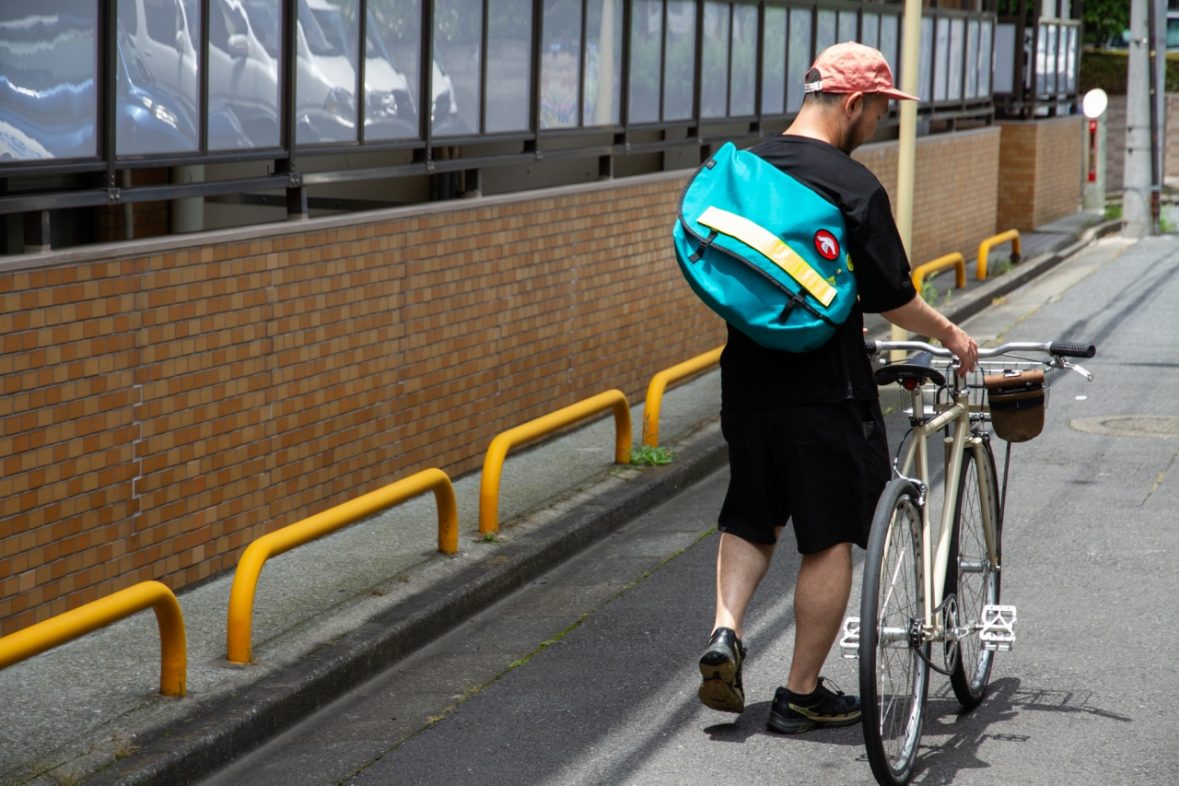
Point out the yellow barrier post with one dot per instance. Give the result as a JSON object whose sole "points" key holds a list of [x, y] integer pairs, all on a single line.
{"points": [[75, 623], [659, 383], [497, 451], [954, 260], [249, 567], [984, 249]]}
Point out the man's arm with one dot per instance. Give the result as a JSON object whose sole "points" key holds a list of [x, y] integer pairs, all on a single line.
{"points": [[919, 317]]}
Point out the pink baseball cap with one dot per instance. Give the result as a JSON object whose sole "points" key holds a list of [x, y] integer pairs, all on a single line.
{"points": [[853, 68]]}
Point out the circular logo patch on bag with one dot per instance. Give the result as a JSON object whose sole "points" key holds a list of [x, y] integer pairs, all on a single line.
{"points": [[826, 244]]}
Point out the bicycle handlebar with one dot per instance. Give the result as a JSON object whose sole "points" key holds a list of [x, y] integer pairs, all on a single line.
{"points": [[1055, 348]]}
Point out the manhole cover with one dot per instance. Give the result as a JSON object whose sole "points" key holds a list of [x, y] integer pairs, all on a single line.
{"points": [[1130, 425]]}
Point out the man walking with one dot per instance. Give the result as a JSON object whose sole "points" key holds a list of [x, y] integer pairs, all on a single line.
{"points": [[804, 430]]}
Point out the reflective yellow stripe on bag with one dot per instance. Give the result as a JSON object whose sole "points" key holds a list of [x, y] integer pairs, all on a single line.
{"points": [[772, 247]]}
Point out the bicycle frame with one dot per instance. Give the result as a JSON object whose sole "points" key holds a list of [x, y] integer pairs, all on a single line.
{"points": [[915, 456]]}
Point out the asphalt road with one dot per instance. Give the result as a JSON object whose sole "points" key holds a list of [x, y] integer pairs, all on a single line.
{"points": [[587, 676]]}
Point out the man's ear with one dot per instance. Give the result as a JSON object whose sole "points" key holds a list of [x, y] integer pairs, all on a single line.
{"points": [[853, 103]]}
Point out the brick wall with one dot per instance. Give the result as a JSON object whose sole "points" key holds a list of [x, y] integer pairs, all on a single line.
{"points": [[167, 401], [1115, 142], [1039, 171]]}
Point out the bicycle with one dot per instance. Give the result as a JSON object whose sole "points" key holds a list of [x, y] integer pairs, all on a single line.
{"points": [[913, 597]]}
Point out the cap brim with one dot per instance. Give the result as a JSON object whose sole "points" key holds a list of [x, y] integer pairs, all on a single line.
{"points": [[897, 94]]}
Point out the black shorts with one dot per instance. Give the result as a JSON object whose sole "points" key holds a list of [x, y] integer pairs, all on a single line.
{"points": [[822, 466]]}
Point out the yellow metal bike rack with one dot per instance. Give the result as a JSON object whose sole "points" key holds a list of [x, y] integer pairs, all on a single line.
{"points": [[497, 451], [954, 260], [984, 249], [75, 623], [659, 383], [249, 568]]}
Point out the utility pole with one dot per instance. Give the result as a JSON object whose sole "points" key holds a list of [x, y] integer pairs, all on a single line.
{"points": [[1136, 194]]}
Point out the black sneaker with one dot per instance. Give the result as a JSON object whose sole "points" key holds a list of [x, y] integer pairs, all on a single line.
{"points": [[793, 713], [720, 666]]}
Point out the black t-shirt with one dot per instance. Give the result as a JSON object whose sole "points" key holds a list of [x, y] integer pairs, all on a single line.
{"points": [[756, 378]]}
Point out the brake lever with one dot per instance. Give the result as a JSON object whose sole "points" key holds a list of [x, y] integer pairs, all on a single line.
{"points": [[1077, 368]]}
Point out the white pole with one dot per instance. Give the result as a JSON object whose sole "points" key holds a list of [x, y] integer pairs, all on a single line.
{"points": [[1136, 188], [907, 143]]}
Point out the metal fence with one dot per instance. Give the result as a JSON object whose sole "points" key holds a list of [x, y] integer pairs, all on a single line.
{"points": [[94, 89]]}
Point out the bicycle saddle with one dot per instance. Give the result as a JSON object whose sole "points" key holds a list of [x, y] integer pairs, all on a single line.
{"points": [[914, 370]]}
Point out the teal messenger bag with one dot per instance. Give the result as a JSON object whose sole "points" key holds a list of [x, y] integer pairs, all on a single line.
{"points": [[764, 251]]}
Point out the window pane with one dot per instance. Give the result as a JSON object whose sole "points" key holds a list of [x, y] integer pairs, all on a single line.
{"points": [[827, 30], [646, 45], [744, 76], [392, 70], [325, 86], [1071, 59], [679, 79], [925, 66], [714, 77], [773, 75], [560, 64], [603, 66], [972, 60], [871, 34], [156, 104], [48, 101], [847, 26], [984, 54], [957, 43], [799, 57], [942, 66], [458, 30], [243, 74], [888, 44]]}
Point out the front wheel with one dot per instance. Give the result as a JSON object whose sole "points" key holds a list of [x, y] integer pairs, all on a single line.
{"points": [[894, 670], [973, 571]]}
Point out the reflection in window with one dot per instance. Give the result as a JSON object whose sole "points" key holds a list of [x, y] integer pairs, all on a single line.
{"points": [[156, 80], [325, 86], [972, 59], [826, 32], [847, 26], [984, 53], [392, 69], [925, 66], [560, 64], [509, 65], [603, 62], [48, 100], [646, 45], [941, 47], [243, 75], [679, 78], [458, 30], [799, 57], [888, 44], [744, 76], [773, 75], [714, 77], [871, 34], [1004, 58], [957, 32]]}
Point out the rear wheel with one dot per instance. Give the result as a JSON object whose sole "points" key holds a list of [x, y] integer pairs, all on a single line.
{"points": [[894, 671], [972, 574]]}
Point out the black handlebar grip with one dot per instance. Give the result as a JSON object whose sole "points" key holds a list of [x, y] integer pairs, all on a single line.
{"points": [[1067, 350]]}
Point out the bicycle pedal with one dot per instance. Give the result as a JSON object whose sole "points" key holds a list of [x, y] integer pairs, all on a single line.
{"points": [[998, 628], [849, 638]]}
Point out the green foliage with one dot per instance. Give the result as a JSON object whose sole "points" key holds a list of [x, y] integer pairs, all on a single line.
{"points": [[1166, 226], [1113, 211], [1107, 69], [1104, 19], [648, 456]]}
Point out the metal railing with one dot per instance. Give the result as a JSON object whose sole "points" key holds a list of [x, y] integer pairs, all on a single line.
{"points": [[984, 249], [497, 451], [659, 382], [249, 567], [954, 260], [75, 623]]}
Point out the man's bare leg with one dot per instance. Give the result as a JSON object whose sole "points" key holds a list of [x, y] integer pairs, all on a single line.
{"points": [[740, 567], [820, 602]]}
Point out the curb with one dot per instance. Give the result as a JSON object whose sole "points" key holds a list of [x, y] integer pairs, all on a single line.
{"points": [[225, 728]]}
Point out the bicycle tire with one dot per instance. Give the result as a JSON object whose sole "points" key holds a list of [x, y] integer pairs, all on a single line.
{"points": [[970, 575], [894, 673]]}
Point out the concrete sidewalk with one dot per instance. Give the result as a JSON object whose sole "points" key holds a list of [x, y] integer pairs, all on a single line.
{"points": [[332, 613]]}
